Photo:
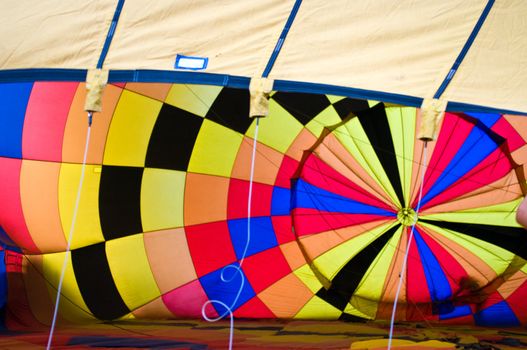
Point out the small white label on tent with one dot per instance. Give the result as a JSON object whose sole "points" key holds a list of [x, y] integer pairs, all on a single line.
{"points": [[191, 62]]}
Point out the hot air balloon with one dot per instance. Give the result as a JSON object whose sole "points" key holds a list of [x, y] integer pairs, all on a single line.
{"points": [[385, 166]]}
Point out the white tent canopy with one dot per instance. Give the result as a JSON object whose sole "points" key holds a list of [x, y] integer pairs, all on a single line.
{"points": [[397, 50]]}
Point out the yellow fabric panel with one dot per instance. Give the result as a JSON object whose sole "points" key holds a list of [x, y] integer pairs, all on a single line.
{"points": [[372, 284], [332, 261], [317, 308], [402, 126], [130, 130], [325, 118], [495, 257], [503, 214], [215, 150], [87, 226], [278, 130], [306, 275], [131, 272], [195, 99], [350, 309], [35, 291], [162, 193], [40, 203], [72, 306], [155, 310], [355, 140]]}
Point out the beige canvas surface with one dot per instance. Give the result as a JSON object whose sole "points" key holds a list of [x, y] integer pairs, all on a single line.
{"points": [[404, 47]]}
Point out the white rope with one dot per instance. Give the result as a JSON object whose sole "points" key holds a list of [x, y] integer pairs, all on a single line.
{"points": [[238, 269], [70, 235], [410, 238]]}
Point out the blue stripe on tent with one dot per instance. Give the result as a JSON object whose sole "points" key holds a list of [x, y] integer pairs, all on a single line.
{"points": [[281, 40], [226, 292], [464, 160], [497, 315], [262, 235], [306, 195], [281, 202], [13, 103], [464, 50], [110, 34], [435, 276], [161, 76]]}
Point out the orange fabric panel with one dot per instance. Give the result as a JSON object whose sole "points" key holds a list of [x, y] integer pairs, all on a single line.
{"points": [[169, 258], [205, 198], [286, 297], [77, 124], [266, 164], [40, 202]]}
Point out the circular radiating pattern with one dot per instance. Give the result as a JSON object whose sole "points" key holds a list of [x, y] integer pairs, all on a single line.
{"points": [[164, 206]]}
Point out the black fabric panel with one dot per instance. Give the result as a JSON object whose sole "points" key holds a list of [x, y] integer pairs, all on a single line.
{"points": [[352, 318], [120, 201], [348, 278], [513, 239], [96, 284], [350, 105], [302, 106], [333, 297], [375, 123], [172, 139], [231, 109]]}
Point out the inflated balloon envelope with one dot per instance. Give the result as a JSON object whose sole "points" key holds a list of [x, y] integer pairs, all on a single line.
{"points": [[340, 180]]}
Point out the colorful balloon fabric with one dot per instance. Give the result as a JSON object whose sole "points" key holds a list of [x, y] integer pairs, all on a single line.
{"points": [[339, 187]]}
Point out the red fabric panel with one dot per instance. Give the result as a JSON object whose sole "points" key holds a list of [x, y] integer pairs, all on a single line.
{"points": [[47, 111], [239, 194], [210, 246], [11, 214]]}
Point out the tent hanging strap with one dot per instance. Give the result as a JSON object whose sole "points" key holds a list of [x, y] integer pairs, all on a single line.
{"points": [[432, 112]]}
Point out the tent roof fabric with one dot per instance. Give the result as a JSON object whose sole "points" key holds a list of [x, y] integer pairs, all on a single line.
{"points": [[403, 48]]}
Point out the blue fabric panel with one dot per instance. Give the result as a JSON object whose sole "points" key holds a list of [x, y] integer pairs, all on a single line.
{"points": [[3, 280], [262, 235], [227, 291], [13, 103], [102, 341], [5, 240], [497, 315], [474, 150], [281, 202], [435, 276], [306, 195], [458, 311], [487, 119]]}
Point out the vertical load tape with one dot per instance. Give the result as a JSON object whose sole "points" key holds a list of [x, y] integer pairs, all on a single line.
{"points": [[432, 112], [260, 88], [96, 80]]}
